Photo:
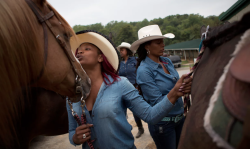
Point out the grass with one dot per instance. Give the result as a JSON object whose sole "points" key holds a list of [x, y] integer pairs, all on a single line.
{"points": [[187, 65], [184, 62]]}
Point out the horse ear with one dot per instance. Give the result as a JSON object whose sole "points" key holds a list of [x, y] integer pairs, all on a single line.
{"points": [[202, 30]]}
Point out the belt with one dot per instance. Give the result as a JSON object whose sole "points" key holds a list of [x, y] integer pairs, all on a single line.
{"points": [[175, 119]]}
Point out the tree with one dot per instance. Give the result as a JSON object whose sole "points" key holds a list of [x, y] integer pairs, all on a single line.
{"points": [[104, 32], [126, 35], [185, 27]]}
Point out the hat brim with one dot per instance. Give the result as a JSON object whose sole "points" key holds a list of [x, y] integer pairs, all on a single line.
{"points": [[135, 45], [121, 46], [101, 42]]}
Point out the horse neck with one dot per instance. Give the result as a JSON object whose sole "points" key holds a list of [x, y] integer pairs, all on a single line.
{"points": [[18, 46]]}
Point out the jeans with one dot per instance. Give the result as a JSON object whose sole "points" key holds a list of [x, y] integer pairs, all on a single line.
{"points": [[166, 135], [138, 121]]}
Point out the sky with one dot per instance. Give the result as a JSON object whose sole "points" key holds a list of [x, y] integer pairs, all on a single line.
{"points": [[85, 12]]}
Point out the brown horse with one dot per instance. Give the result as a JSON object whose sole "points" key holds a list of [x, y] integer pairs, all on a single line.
{"points": [[30, 55], [220, 95]]}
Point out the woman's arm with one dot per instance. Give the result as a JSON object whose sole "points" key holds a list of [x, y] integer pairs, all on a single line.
{"points": [[76, 133], [140, 107], [143, 110], [145, 79]]}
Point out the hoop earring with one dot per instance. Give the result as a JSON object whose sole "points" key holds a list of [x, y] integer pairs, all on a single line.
{"points": [[148, 52]]}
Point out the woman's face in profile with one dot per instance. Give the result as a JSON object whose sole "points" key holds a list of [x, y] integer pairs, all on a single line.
{"points": [[123, 52], [88, 55], [156, 47]]}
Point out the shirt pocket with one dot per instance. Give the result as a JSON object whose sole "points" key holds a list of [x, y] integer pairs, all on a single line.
{"points": [[132, 65], [131, 68], [108, 107]]}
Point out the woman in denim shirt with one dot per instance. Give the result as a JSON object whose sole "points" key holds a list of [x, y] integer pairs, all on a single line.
{"points": [[157, 78], [128, 70], [109, 98]]}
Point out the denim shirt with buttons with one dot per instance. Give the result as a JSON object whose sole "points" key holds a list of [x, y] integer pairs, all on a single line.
{"points": [[128, 69], [156, 84], [111, 128]]}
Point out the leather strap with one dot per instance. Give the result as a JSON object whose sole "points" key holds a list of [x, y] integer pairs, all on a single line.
{"points": [[44, 20], [41, 20]]}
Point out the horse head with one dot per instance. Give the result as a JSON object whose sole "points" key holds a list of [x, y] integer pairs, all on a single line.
{"points": [[34, 51]]}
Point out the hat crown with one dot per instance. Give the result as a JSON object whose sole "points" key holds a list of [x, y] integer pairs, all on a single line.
{"points": [[125, 44], [151, 30]]}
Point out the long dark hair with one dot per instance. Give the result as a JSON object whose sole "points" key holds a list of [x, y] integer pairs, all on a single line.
{"points": [[142, 53], [129, 52]]}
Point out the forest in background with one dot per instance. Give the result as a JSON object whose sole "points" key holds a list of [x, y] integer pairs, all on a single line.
{"points": [[185, 27]]}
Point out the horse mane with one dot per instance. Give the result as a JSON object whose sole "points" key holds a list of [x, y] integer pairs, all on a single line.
{"points": [[18, 46], [221, 34]]}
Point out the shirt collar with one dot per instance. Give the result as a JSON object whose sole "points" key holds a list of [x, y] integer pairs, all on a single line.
{"points": [[152, 63], [129, 58]]}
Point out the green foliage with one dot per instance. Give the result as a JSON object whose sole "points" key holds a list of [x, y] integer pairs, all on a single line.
{"points": [[185, 27], [126, 34]]}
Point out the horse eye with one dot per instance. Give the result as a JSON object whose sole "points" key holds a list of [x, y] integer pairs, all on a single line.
{"points": [[66, 36]]}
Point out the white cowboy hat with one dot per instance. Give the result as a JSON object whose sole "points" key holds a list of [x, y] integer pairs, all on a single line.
{"points": [[124, 45], [148, 33], [98, 40]]}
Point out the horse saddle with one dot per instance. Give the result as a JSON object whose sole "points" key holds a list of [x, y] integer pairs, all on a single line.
{"points": [[230, 116], [236, 88], [236, 93]]}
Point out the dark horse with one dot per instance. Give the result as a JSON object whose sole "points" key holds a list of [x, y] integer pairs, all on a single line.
{"points": [[220, 113], [44, 114]]}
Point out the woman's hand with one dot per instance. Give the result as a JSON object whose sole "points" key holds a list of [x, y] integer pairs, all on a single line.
{"points": [[186, 85], [79, 133], [182, 86]]}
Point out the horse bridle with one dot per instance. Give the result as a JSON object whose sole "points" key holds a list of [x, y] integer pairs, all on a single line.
{"points": [[44, 20]]}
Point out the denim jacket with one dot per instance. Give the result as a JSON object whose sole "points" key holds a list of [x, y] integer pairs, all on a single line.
{"points": [[156, 84], [128, 69], [111, 129]]}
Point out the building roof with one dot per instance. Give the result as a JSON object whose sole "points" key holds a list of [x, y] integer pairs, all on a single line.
{"points": [[234, 9], [192, 44]]}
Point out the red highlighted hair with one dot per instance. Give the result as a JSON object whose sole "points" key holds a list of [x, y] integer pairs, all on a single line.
{"points": [[107, 69]]}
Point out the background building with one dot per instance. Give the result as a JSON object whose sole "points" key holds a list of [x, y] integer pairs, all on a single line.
{"points": [[236, 11], [187, 50]]}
